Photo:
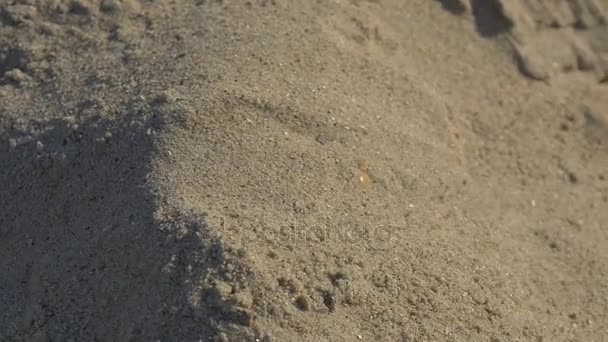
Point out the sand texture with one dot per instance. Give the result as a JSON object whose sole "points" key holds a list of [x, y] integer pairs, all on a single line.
{"points": [[281, 170]]}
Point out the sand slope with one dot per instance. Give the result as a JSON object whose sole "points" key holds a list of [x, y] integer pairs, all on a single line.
{"points": [[318, 171]]}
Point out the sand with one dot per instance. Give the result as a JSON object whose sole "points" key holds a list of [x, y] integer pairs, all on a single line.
{"points": [[277, 170]]}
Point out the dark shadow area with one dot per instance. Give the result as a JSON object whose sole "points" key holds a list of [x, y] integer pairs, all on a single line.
{"points": [[82, 255], [453, 6], [11, 58], [489, 16]]}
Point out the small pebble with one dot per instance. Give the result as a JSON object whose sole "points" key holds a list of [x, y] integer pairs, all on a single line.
{"points": [[16, 76], [39, 147], [221, 337], [223, 289], [244, 300], [70, 120]]}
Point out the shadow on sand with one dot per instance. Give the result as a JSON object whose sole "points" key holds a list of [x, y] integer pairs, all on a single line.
{"points": [[490, 20], [83, 255]]}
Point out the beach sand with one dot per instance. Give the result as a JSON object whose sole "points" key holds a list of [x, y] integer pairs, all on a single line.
{"points": [[278, 170]]}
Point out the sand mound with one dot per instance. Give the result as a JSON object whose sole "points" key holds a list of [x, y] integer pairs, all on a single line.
{"points": [[318, 171], [86, 252]]}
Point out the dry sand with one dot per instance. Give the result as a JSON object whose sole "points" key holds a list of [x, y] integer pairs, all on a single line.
{"points": [[278, 170]]}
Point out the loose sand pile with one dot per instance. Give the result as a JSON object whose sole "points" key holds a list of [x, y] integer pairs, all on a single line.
{"points": [[276, 170]]}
